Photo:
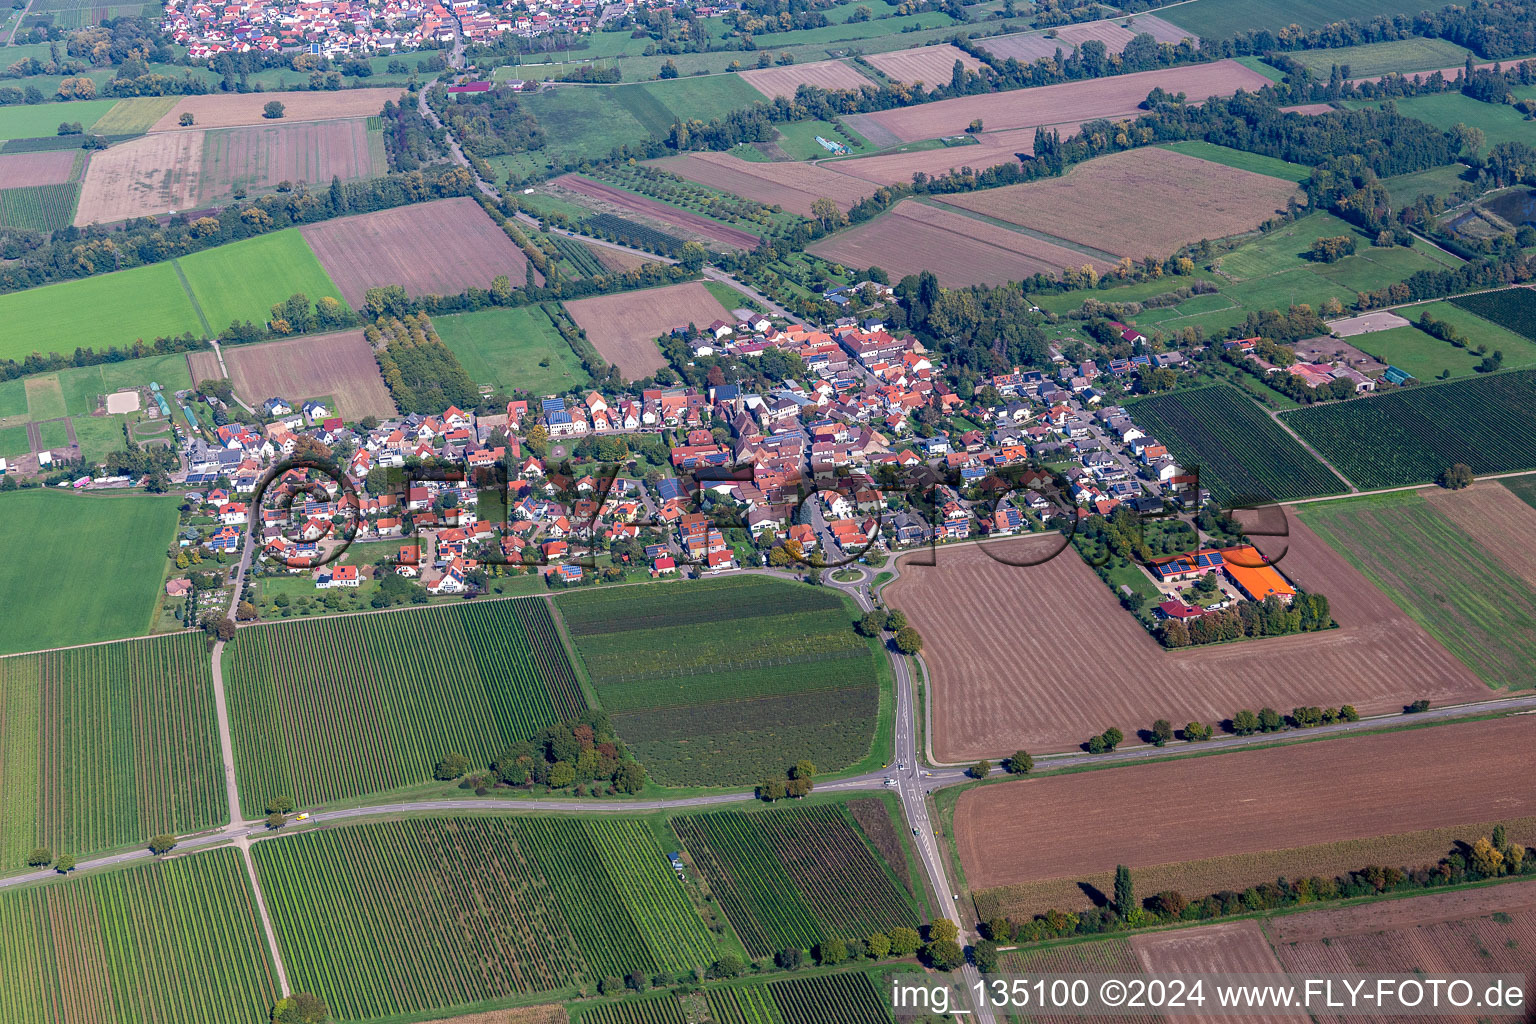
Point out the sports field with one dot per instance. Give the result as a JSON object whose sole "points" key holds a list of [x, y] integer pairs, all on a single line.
{"points": [[722, 682], [515, 348], [243, 280], [106, 745], [89, 566], [146, 302], [331, 708]]}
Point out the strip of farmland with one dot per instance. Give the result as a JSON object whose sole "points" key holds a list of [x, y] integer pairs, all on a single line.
{"points": [[624, 327], [338, 365], [233, 110], [1259, 802], [687, 221], [826, 74], [1027, 47], [1093, 665], [931, 65], [1057, 104], [960, 250], [790, 186], [989, 150], [18, 170]]}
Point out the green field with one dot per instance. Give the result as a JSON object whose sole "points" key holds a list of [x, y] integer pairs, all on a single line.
{"points": [[173, 941], [1512, 308], [89, 566], [106, 746], [798, 139], [848, 997], [1432, 355], [1460, 593], [742, 654], [517, 348], [243, 280], [1371, 59], [1222, 19], [428, 914], [1499, 123], [836, 887], [146, 302], [1411, 435], [135, 116], [381, 698], [1244, 457], [1242, 160], [43, 119], [1403, 189], [1421, 354]]}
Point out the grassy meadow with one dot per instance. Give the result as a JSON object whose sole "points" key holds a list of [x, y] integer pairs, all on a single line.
{"points": [[513, 348]]}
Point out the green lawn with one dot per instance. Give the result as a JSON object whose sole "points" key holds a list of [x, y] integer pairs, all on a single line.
{"points": [[79, 567], [242, 280], [1517, 351], [145, 302], [1499, 123], [45, 399], [1437, 574], [98, 436], [43, 119], [1422, 355], [13, 398], [798, 139], [1405, 55], [1281, 249], [1403, 189], [1243, 161], [82, 384], [1372, 266], [1222, 19], [13, 442], [507, 347]]}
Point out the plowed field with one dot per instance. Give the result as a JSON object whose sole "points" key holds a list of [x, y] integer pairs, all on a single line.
{"points": [[625, 327], [792, 186], [234, 110], [826, 74], [18, 170], [931, 65], [340, 365]]}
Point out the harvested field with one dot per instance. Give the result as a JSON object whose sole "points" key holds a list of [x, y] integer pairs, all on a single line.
{"points": [[1366, 324], [436, 248], [237, 110], [1308, 108], [1026, 47], [1267, 803], [624, 327], [1093, 665], [960, 250], [825, 74], [1496, 520], [616, 260], [311, 152], [991, 149], [20, 170], [340, 364], [792, 186], [689, 223], [1073, 102], [931, 65], [1178, 199], [1236, 947], [142, 178]]}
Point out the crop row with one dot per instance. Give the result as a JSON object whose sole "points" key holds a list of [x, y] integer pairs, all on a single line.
{"points": [[578, 255], [1410, 436], [407, 916], [105, 746], [330, 708], [735, 680], [829, 999], [1243, 455], [39, 207], [794, 876], [174, 941], [658, 1010], [1512, 308], [742, 742], [717, 646], [617, 610]]}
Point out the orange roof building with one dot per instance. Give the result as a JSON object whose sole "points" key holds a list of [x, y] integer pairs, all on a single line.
{"points": [[1257, 581]]}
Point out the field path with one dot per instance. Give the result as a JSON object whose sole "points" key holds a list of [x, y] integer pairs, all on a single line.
{"points": [[19, 19]]}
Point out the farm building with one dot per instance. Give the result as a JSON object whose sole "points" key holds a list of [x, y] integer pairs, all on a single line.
{"points": [[1255, 580], [1186, 567]]}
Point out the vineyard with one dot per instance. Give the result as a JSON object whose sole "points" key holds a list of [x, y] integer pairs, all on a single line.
{"points": [[1243, 455], [404, 916], [39, 207], [174, 941], [106, 746], [735, 652], [847, 998], [338, 707], [1410, 436], [658, 1010], [792, 877], [1512, 308], [578, 255], [627, 232], [829, 999]]}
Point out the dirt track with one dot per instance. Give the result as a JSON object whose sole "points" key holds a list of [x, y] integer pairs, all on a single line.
{"points": [[1044, 657]]}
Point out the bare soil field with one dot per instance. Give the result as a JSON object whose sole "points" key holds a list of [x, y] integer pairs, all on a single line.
{"points": [[791, 186], [310, 152], [1073, 102], [1091, 665], [339, 364], [1308, 108], [617, 260], [826, 74], [960, 250], [1498, 521], [436, 248], [141, 178], [1146, 202], [1026, 47], [1260, 802], [236, 110], [991, 149], [1367, 323], [1431, 908], [624, 327], [689, 223], [1236, 947], [931, 65], [1105, 956], [19, 170]]}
